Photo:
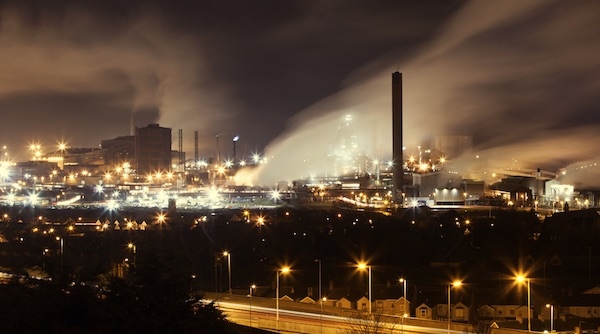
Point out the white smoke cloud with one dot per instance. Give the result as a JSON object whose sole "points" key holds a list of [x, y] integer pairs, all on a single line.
{"points": [[516, 75], [140, 64]]}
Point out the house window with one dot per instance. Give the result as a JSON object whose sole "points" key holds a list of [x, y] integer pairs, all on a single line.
{"points": [[393, 305], [364, 306], [459, 312], [499, 312], [423, 312], [512, 312]]}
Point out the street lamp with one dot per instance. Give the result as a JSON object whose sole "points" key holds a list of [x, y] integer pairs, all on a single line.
{"points": [[442, 161], [226, 253], [551, 317], [131, 246], [283, 270], [403, 281], [364, 266], [454, 284], [523, 279], [62, 147], [252, 288], [320, 296], [235, 139]]}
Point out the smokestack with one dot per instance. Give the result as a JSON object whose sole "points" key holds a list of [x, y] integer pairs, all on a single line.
{"points": [[398, 176], [235, 139], [180, 151], [196, 146]]}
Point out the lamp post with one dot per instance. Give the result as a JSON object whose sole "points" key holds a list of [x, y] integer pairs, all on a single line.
{"points": [[226, 253], [235, 139], [320, 296], [403, 281], [283, 270], [522, 279], [364, 266], [252, 288], [131, 246], [62, 147], [551, 317], [454, 284]]}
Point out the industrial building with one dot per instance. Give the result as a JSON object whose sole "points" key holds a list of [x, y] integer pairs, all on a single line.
{"points": [[152, 149]]}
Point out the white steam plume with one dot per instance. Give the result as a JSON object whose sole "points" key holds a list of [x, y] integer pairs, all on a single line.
{"points": [[516, 76]]}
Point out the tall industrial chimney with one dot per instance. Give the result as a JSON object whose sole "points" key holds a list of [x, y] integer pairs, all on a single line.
{"points": [[180, 150], [196, 147], [398, 176]]}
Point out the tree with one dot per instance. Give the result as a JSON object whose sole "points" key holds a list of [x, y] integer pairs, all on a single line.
{"points": [[370, 323]]}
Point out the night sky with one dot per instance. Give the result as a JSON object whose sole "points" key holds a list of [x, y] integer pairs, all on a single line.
{"points": [[521, 77]]}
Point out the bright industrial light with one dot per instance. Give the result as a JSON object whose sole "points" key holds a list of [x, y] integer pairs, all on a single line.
{"points": [[112, 205], [275, 194], [285, 270], [33, 198]]}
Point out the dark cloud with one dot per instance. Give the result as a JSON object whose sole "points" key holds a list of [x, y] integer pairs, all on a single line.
{"points": [[519, 76], [217, 67]]}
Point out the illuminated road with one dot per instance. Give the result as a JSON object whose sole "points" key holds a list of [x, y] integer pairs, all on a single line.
{"points": [[292, 321]]}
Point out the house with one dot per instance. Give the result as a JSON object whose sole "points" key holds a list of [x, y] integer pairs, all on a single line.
{"points": [[459, 312], [308, 300], [398, 306], [503, 312], [523, 312], [586, 305], [342, 298], [343, 302], [423, 311], [286, 298], [362, 304]]}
